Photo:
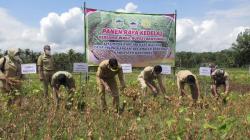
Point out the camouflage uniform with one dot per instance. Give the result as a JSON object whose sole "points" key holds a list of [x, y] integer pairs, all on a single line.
{"points": [[105, 74], [46, 69], [11, 70], [147, 77], [70, 82], [67, 81], [218, 81], [182, 80]]}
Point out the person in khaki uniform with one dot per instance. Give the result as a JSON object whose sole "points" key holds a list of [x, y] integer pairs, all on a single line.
{"points": [[10, 75], [105, 78], [65, 79], [147, 77], [187, 77], [219, 77], [46, 68]]}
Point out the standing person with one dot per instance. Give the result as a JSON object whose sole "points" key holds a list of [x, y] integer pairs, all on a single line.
{"points": [[63, 78], [105, 78], [219, 78], [46, 68], [147, 79], [10, 73], [187, 77]]}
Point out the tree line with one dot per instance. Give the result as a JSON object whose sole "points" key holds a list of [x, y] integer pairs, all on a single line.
{"points": [[237, 56]]}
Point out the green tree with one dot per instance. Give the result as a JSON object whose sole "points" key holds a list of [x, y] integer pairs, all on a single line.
{"points": [[242, 48]]}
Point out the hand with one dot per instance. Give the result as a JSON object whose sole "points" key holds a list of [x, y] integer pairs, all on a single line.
{"points": [[107, 88], [154, 90], [41, 78], [122, 87]]}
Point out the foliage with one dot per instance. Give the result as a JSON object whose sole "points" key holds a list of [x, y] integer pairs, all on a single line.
{"points": [[242, 48], [145, 117]]}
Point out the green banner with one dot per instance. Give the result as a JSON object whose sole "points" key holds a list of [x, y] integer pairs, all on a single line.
{"points": [[137, 39]]}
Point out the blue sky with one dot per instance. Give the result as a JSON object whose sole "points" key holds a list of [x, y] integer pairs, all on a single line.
{"points": [[202, 25]]}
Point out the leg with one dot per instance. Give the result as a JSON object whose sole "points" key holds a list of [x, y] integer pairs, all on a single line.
{"points": [[153, 87], [214, 90], [194, 92], [56, 98], [143, 86], [101, 91], [46, 84], [182, 89], [115, 93]]}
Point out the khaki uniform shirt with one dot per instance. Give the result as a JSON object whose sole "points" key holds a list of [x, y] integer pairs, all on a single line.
{"points": [[147, 74], [46, 62], [182, 77], [105, 73]]}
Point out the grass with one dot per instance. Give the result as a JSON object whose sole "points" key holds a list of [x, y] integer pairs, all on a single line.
{"points": [[145, 117]]}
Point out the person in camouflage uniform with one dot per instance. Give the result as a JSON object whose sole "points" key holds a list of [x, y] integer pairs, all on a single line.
{"points": [[10, 75], [219, 78], [62, 78]]}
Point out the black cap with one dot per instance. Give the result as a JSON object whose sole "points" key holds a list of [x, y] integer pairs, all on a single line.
{"points": [[190, 79], [113, 62], [157, 69]]}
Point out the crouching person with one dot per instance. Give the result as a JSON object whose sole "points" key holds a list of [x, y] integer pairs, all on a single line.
{"points": [[187, 77], [62, 78], [219, 78], [105, 77], [10, 76], [147, 79]]}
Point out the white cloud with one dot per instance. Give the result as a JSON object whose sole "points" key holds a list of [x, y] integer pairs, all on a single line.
{"points": [[208, 35], [63, 32], [129, 8], [14, 34]]}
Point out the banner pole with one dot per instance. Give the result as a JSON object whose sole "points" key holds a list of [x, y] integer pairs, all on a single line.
{"points": [[174, 67], [85, 34], [85, 40]]}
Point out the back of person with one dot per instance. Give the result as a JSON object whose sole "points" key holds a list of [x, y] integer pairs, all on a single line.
{"points": [[63, 78], [219, 76], [182, 75], [147, 73]]}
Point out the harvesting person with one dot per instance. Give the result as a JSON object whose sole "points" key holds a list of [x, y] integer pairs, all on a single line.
{"points": [[105, 77], [63, 78], [10, 73], [46, 68], [147, 79], [219, 78], [186, 77]]}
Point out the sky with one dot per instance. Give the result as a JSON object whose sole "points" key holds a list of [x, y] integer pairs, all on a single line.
{"points": [[202, 25]]}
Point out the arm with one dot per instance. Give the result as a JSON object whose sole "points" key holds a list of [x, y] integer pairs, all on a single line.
{"points": [[121, 78], [99, 74], [226, 86], [180, 86], [40, 67], [213, 87], [195, 90], [1, 66]]}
